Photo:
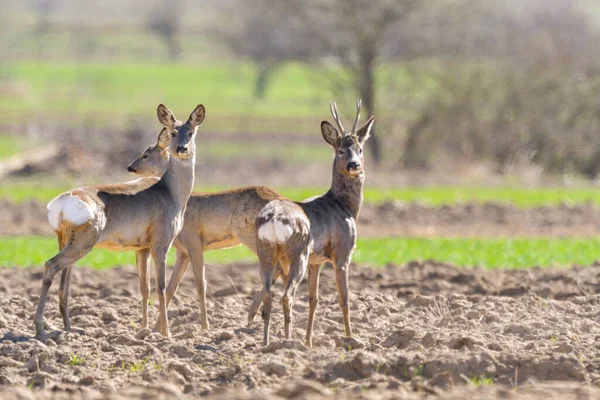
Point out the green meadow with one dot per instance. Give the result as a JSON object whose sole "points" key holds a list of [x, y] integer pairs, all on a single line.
{"points": [[488, 253], [432, 195]]}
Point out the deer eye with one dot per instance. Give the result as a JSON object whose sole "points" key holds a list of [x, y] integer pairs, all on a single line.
{"points": [[360, 151], [341, 152], [145, 156], [174, 133]]}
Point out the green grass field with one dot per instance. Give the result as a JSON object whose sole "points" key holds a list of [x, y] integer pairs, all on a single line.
{"points": [[434, 196], [297, 97], [489, 253], [110, 91]]}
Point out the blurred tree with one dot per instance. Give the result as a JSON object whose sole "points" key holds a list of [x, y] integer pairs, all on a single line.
{"points": [[515, 84], [164, 20], [360, 34], [267, 34], [43, 11]]}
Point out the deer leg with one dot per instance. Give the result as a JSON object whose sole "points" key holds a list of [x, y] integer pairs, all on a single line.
{"points": [[181, 265], [267, 272], [341, 280], [313, 299], [65, 285], [142, 257], [197, 258], [258, 299], [63, 296], [159, 255], [297, 271], [68, 256]]}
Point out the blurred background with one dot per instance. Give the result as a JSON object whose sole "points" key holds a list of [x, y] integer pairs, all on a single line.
{"points": [[464, 91]]}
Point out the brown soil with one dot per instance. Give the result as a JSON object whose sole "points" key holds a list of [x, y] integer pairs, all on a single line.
{"points": [[421, 330], [397, 219]]}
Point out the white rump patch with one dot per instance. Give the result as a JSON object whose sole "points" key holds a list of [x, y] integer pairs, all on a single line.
{"points": [[275, 231], [69, 208]]}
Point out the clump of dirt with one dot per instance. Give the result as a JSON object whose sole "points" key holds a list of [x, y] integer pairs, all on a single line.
{"points": [[423, 329], [397, 219]]}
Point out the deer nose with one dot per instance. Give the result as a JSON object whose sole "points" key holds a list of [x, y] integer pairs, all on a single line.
{"points": [[182, 149], [130, 169], [353, 165]]}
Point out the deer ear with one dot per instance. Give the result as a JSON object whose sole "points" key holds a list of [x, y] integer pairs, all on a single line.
{"points": [[165, 116], [197, 116], [364, 131], [330, 134], [163, 139]]}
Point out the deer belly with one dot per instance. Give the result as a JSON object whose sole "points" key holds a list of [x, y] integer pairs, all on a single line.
{"points": [[124, 241]]}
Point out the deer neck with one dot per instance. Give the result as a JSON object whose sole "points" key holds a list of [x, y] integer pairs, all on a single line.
{"points": [[347, 190], [179, 179]]}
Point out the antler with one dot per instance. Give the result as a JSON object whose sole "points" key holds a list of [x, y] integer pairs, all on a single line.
{"points": [[358, 104], [333, 108]]}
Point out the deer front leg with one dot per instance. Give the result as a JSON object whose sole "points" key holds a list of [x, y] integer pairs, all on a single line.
{"points": [[341, 280], [159, 255], [63, 296], [142, 260], [181, 265], [258, 300], [197, 259], [313, 299]]}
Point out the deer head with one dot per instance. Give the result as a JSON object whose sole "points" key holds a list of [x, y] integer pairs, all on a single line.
{"points": [[182, 135], [347, 146]]}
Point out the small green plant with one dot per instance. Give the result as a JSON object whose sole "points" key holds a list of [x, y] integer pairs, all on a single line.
{"points": [[75, 360], [238, 360], [553, 338], [156, 366], [151, 302], [419, 370], [483, 379], [137, 367], [132, 324]]}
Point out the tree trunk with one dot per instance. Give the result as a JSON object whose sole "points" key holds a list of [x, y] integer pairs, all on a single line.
{"points": [[366, 90], [265, 72]]}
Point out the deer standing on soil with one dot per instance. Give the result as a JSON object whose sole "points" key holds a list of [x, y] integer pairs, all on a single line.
{"points": [[212, 221], [125, 217], [301, 236]]}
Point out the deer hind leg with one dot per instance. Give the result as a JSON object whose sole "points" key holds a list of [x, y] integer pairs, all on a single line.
{"points": [[65, 286], [297, 271], [63, 296], [258, 299], [266, 256], [79, 242], [142, 258], [313, 299]]}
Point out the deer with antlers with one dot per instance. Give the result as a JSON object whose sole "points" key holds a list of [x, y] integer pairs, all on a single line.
{"points": [[141, 215], [293, 237]]}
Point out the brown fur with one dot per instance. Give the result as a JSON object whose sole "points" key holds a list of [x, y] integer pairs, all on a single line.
{"points": [[143, 215], [322, 230]]}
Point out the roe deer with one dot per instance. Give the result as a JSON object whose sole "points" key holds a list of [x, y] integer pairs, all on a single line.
{"points": [[305, 235], [212, 221], [144, 217]]}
